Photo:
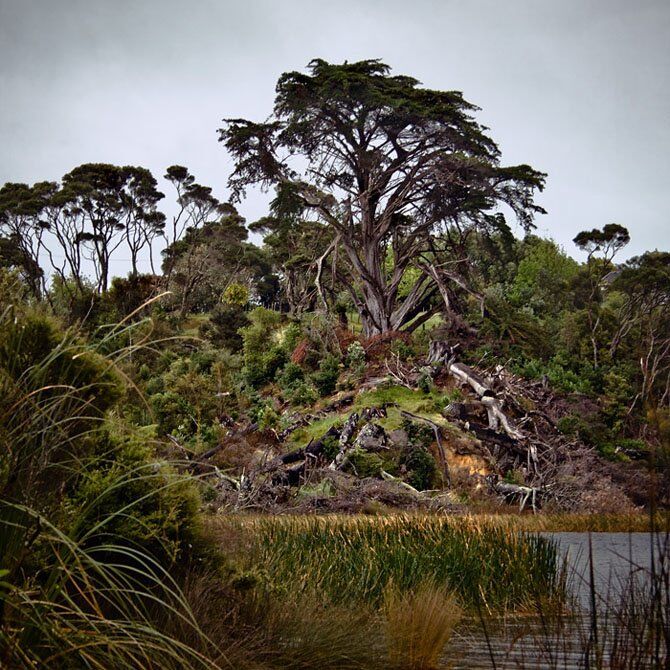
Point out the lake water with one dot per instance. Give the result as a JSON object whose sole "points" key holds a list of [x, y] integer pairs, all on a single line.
{"points": [[526, 642]]}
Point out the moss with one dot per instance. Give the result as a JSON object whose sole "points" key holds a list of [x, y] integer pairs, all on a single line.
{"points": [[400, 398], [324, 489], [314, 431]]}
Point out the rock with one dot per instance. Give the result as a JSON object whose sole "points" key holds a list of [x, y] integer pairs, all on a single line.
{"points": [[399, 438], [371, 437]]}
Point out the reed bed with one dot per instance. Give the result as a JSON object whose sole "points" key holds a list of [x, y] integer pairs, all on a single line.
{"points": [[354, 559], [640, 522]]}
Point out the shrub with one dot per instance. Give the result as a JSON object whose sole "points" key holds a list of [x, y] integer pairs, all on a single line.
{"points": [[235, 294], [89, 510], [421, 468], [363, 463], [425, 380], [302, 394], [128, 295], [161, 508], [53, 390], [401, 349], [356, 357], [325, 379], [291, 374], [173, 413], [418, 434], [265, 346], [223, 327]]}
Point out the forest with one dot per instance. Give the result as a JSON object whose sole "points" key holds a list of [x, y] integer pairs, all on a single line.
{"points": [[251, 449]]}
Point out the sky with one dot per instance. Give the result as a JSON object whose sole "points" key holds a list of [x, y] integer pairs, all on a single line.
{"points": [[579, 89]]}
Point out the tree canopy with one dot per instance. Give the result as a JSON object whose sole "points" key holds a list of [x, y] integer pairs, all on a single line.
{"points": [[389, 166]]}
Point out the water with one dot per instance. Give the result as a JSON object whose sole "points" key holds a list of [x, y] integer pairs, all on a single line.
{"points": [[525, 641], [614, 554]]}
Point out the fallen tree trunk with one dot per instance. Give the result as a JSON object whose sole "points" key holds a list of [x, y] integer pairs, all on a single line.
{"points": [[523, 492], [348, 430], [441, 353], [388, 477]]}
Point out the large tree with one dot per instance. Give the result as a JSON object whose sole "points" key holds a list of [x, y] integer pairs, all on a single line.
{"points": [[107, 205], [390, 167]]}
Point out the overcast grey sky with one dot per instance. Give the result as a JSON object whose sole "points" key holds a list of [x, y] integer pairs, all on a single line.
{"points": [[577, 88]]}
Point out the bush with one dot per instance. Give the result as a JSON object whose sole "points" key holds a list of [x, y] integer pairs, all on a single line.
{"points": [[356, 357], [421, 468], [265, 346], [128, 295], [224, 325], [301, 394], [53, 390], [425, 380], [173, 414], [235, 294], [325, 379], [401, 349], [290, 375], [160, 507], [363, 463]]}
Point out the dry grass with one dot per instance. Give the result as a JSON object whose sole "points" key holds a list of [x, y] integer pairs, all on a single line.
{"points": [[640, 522], [418, 625], [262, 628]]}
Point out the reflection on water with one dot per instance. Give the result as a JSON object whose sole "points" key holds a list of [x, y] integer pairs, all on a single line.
{"points": [[531, 642]]}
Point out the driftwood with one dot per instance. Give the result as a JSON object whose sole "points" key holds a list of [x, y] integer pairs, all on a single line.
{"points": [[523, 492], [497, 418], [388, 477], [346, 434], [441, 354]]}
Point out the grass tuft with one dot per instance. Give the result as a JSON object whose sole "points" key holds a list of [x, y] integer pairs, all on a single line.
{"points": [[418, 625]]}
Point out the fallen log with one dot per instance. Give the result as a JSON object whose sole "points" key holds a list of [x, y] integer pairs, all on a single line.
{"points": [[346, 434], [215, 450], [524, 492], [388, 477], [442, 353]]}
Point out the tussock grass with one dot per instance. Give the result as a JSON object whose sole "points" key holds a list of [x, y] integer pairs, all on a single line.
{"points": [[352, 560], [75, 593], [419, 625]]}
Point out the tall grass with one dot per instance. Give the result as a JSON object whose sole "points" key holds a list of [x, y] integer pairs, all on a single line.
{"points": [[75, 592], [627, 625], [354, 559], [638, 522], [86, 607], [418, 625]]}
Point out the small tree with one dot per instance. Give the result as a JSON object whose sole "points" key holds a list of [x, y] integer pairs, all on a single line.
{"points": [[22, 229], [601, 247], [297, 249], [644, 320]]}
